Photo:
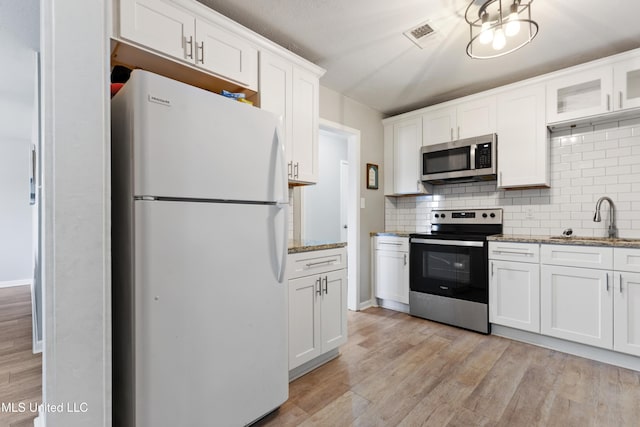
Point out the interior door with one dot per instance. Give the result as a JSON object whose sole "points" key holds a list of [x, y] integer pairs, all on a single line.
{"points": [[210, 312]]}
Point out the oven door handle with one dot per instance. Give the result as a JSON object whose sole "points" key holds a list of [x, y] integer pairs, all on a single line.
{"points": [[448, 242]]}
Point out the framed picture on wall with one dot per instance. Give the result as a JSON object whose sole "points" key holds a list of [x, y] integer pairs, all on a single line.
{"points": [[372, 176]]}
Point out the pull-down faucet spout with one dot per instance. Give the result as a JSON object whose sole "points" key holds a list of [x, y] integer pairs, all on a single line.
{"points": [[613, 231]]}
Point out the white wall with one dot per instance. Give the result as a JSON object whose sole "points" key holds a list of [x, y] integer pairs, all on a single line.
{"points": [[77, 279], [341, 109], [586, 164], [322, 201]]}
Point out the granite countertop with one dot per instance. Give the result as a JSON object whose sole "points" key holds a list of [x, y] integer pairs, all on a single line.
{"points": [[297, 246], [390, 233], [574, 240]]}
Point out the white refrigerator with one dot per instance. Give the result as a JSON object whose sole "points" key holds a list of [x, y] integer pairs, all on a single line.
{"points": [[199, 243]]}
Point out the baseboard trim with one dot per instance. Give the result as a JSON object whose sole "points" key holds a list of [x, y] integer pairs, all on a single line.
{"points": [[366, 304], [305, 368], [594, 353], [12, 283], [393, 305]]}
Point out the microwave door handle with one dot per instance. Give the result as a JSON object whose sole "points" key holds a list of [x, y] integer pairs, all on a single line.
{"points": [[472, 156]]}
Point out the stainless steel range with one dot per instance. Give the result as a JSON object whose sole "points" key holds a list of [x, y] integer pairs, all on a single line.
{"points": [[448, 268]]}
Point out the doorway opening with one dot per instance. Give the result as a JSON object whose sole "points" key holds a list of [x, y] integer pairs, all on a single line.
{"points": [[330, 210]]}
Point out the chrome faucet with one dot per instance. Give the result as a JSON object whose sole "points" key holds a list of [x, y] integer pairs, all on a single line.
{"points": [[613, 231]]}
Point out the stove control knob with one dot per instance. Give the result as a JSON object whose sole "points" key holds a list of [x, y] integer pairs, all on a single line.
{"points": [[484, 215], [437, 215], [443, 215], [492, 215]]}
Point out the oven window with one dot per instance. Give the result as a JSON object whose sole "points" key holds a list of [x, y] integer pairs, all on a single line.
{"points": [[455, 159], [453, 271]]}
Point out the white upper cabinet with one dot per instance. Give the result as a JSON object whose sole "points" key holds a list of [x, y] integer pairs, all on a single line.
{"points": [[477, 117], [439, 126], [468, 119], [225, 54], [402, 143], [159, 25], [523, 141], [177, 32], [581, 94], [626, 84], [292, 94]]}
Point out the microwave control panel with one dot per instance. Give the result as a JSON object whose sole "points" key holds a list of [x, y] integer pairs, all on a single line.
{"points": [[483, 156]]}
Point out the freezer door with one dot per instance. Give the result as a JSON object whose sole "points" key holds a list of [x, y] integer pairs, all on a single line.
{"points": [[192, 143], [211, 316]]}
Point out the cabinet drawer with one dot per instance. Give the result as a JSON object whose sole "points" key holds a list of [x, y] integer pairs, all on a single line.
{"points": [[308, 263], [520, 252], [577, 256], [392, 243], [626, 259]]}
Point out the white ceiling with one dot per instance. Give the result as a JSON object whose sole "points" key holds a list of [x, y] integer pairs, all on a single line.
{"points": [[367, 58]]}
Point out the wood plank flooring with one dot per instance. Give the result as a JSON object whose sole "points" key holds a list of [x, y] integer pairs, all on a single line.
{"points": [[20, 369], [397, 370]]}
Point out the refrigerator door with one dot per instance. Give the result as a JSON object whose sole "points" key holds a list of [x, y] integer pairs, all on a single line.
{"points": [[191, 143], [210, 313]]}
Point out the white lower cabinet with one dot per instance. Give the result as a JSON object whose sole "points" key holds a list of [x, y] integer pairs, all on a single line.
{"points": [[317, 304], [576, 304], [514, 285], [391, 268], [626, 300]]}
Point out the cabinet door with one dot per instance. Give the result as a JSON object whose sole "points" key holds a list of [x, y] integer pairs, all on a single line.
{"points": [[406, 156], [577, 305], [514, 295], [523, 154], [476, 118], [304, 320], [626, 80], [439, 126], [305, 126], [392, 276], [334, 309], [276, 86], [627, 313], [580, 95], [226, 55], [159, 25]]}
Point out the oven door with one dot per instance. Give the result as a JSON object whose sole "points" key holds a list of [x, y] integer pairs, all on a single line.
{"points": [[451, 268]]}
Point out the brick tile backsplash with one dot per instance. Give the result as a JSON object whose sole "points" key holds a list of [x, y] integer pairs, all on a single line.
{"points": [[586, 163]]}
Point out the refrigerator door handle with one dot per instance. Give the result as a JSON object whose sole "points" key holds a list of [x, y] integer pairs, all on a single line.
{"points": [[283, 168], [285, 241]]}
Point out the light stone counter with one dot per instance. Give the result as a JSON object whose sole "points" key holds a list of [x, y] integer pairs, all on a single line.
{"points": [[574, 240]]}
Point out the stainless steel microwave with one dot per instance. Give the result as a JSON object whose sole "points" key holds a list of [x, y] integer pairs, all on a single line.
{"points": [[465, 160]]}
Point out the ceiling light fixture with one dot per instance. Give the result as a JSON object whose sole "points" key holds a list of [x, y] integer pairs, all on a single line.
{"points": [[495, 30]]}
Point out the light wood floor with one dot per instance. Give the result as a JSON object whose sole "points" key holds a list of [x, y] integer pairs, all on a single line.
{"points": [[20, 369], [397, 370]]}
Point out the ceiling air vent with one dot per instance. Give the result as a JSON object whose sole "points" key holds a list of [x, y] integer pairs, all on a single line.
{"points": [[420, 34]]}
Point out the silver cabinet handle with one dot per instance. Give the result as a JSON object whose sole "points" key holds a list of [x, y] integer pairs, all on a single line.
{"points": [[295, 170], [607, 282], [190, 43], [458, 132], [328, 261], [326, 285], [319, 286], [621, 100], [405, 259], [500, 178], [201, 47], [620, 282], [492, 265], [290, 169], [451, 129], [608, 102], [390, 243], [512, 253]]}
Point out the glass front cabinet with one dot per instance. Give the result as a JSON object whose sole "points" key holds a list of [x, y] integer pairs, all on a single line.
{"points": [[593, 92]]}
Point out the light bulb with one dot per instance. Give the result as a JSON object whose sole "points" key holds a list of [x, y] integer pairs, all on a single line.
{"points": [[486, 33], [499, 40], [513, 25]]}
